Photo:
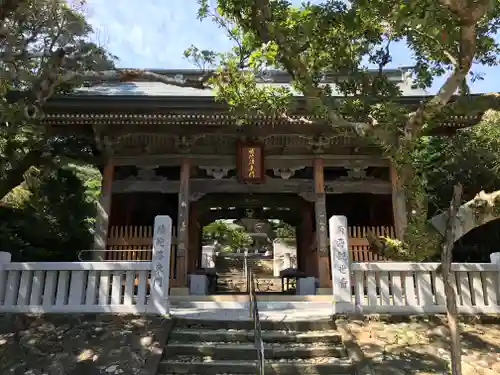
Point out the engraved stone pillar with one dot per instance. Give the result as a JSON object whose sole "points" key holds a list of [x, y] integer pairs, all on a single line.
{"points": [[103, 212], [183, 224], [321, 224], [341, 275], [160, 263]]}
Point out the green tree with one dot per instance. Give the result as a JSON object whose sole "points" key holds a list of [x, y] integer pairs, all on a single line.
{"points": [[226, 236], [335, 39], [49, 217], [41, 41]]}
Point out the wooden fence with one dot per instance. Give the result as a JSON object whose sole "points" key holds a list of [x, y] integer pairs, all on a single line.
{"points": [[134, 243], [358, 244]]}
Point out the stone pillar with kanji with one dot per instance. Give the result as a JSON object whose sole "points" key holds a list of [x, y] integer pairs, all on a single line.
{"points": [[160, 263], [339, 256]]}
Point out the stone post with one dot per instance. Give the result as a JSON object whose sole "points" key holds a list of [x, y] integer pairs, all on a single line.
{"points": [[5, 258], [341, 273], [160, 263]]}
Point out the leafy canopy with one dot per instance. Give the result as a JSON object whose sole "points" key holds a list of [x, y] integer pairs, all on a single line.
{"points": [[337, 39]]}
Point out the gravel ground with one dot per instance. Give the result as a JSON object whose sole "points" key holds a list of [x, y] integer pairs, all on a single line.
{"points": [[75, 344], [422, 347]]}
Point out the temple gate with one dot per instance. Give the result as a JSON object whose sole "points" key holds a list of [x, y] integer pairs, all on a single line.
{"points": [[177, 152]]}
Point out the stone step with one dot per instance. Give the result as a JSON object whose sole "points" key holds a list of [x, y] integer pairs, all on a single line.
{"points": [[266, 325], [247, 351], [316, 366], [269, 336]]}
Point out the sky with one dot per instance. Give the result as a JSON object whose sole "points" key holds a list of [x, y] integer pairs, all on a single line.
{"points": [[151, 34]]}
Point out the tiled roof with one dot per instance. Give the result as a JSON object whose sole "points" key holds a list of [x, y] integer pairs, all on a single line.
{"points": [[158, 89], [161, 89]]}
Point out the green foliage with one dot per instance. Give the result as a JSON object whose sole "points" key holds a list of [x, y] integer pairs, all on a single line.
{"points": [[470, 157], [228, 237], [53, 219], [334, 39], [283, 230], [27, 68]]}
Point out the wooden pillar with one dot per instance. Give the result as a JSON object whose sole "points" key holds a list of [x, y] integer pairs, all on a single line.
{"points": [[194, 230], [103, 211], [308, 251], [183, 224], [398, 204], [321, 223]]}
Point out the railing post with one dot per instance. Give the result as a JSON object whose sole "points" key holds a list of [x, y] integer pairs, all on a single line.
{"points": [[160, 265], [5, 258], [495, 259], [341, 270]]}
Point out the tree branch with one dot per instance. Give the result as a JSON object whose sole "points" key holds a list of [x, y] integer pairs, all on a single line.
{"points": [[124, 75], [469, 15], [260, 21]]}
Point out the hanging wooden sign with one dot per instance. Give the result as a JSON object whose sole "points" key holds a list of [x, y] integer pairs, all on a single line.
{"points": [[250, 162]]}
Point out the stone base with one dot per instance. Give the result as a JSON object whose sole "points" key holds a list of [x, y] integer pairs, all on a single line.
{"points": [[179, 291], [324, 291]]}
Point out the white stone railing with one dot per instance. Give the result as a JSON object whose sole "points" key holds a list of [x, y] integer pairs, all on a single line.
{"points": [[90, 287], [408, 288]]}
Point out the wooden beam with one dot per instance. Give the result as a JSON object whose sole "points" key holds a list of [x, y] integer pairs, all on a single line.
{"points": [[271, 161], [295, 186]]}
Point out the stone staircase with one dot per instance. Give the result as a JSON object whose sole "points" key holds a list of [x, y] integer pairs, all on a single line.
{"points": [[222, 347], [235, 283]]}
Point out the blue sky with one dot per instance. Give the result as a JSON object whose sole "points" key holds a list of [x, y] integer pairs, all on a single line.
{"points": [[155, 33]]}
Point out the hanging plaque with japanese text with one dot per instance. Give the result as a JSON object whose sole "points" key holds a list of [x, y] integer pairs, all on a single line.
{"points": [[250, 162], [160, 273], [341, 277]]}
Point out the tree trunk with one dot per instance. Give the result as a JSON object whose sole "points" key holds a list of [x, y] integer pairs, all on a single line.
{"points": [[451, 299]]}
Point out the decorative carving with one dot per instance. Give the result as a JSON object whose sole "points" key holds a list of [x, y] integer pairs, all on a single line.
{"points": [[318, 144], [196, 195], [216, 172], [184, 143], [356, 173], [308, 196], [286, 173], [146, 174]]}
